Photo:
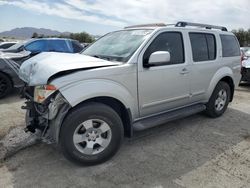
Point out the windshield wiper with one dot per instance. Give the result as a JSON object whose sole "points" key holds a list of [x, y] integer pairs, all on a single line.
{"points": [[101, 57]]}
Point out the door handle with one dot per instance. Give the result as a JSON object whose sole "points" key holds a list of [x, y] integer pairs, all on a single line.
{"points": [[184, 71]]}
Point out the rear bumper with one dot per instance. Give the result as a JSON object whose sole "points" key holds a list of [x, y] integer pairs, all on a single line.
{"points": [[245, 72]]}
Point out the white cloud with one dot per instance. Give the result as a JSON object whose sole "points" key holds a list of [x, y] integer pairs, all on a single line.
{"points": [[230, 13]]}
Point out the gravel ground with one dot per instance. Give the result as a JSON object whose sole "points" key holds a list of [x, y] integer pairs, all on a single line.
{"points": [[11, 115], [193, 152]]}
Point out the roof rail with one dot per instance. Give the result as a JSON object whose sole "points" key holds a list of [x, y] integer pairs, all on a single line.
{"points": [[146, 25], [184, 24]]}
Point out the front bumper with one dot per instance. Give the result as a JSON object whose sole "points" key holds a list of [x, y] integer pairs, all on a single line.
{"points": [[46, 117], [245, 72]]}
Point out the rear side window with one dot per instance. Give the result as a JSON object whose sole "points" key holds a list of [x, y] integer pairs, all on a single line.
{"points": [[230, 46], [168, 41], [59, 46], [203, 46]]}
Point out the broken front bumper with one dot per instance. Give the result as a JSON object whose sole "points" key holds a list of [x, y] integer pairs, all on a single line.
{"points": [[46, 117]]}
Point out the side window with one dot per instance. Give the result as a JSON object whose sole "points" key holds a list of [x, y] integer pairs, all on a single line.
{"points": [[37, 46], [230, 46], [59, 46], [7, 45], [168, 41], [77, 47], [203, 46]]}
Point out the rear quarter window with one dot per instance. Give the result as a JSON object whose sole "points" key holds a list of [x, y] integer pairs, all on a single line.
{"points": [[230, 46], [77, 47]]}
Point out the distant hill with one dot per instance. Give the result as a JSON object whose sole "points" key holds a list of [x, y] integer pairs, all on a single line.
{"points": [[27, 32]]}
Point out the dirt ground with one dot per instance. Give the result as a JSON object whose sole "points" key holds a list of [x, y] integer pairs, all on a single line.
{"points": [[193, 152]]}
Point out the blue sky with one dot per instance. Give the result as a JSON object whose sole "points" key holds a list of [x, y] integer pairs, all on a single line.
{"points": [[102, 16]]}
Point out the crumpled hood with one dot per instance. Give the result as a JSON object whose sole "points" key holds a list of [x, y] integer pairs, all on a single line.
{"points": [[37, 70]]}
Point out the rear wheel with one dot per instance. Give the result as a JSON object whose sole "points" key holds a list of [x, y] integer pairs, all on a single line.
{"points": [[219, 100], [91, 134], [5, 85]]}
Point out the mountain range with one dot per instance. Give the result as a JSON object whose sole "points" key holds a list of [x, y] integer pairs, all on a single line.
{"points": [[27, 32]]}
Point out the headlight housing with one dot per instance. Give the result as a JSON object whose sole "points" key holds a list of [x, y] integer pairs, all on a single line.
{"points": [[41, 93]]}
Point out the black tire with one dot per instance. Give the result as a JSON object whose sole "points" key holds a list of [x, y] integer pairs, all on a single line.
{"points": [[5, 85], [83, 113], [211, 110]]}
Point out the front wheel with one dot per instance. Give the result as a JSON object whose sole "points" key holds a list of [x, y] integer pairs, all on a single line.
{"points": [[91, 134], [219, 100], [5, 85]]}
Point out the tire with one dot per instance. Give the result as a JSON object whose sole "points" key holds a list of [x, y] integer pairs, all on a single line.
{"points": [[219, 100], [5, 85], [86, 145]]}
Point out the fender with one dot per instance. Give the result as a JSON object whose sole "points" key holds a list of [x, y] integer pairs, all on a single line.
{"points": [[78, 92], [221, 73]]}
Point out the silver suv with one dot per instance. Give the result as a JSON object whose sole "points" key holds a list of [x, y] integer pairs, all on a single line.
{"points": [[127, 81]]}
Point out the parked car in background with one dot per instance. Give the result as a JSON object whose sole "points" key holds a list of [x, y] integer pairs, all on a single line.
{"points": [[36, 46], [245, 69], [244, 49], [129, 80], [13, 57], [5, 45]]}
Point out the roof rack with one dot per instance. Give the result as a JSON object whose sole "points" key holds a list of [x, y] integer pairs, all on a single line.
{"points": [[184, 24], [146, 25]]}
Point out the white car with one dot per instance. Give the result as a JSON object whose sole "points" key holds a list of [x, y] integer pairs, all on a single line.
{"points": [[127, 81], [245, 70], [5, 45]]}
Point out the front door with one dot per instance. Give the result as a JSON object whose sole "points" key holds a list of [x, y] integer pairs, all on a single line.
{"points": [[166, 86]]}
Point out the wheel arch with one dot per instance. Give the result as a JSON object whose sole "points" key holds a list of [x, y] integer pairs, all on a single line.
{"points": [[117, 106], [7, 75], [224, 74]]}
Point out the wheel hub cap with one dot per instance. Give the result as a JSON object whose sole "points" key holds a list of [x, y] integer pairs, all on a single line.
{"points": [[92, 136], [221, 100]]}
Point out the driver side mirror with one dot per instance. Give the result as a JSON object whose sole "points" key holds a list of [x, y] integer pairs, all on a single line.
{"points": [[159, 58]]}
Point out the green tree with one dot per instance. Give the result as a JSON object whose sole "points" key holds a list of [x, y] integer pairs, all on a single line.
{"points": [[243, 36], [82, 37], [35, 35]]}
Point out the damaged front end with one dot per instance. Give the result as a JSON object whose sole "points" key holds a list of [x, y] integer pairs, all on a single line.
{"points": [[46, 109]]}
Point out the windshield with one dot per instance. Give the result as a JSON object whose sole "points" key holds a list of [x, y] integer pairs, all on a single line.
{"points": [[118, 46]]}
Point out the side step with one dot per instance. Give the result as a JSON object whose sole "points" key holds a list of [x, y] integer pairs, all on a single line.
{"points": [[168, 116]]}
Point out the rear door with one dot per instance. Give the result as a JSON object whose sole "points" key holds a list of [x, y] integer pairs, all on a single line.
{"points": [[205, 63]]}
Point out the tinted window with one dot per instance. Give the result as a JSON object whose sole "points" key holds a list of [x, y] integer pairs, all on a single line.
{"points": [[169, 41], [77, 47], [59, 46], [230, 46], [203, 46], [211, 44], [37, 46], [7, 45]]}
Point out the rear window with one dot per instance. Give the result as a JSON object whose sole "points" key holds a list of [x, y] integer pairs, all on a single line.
{"points": [[230, 46], [203, 46]]}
